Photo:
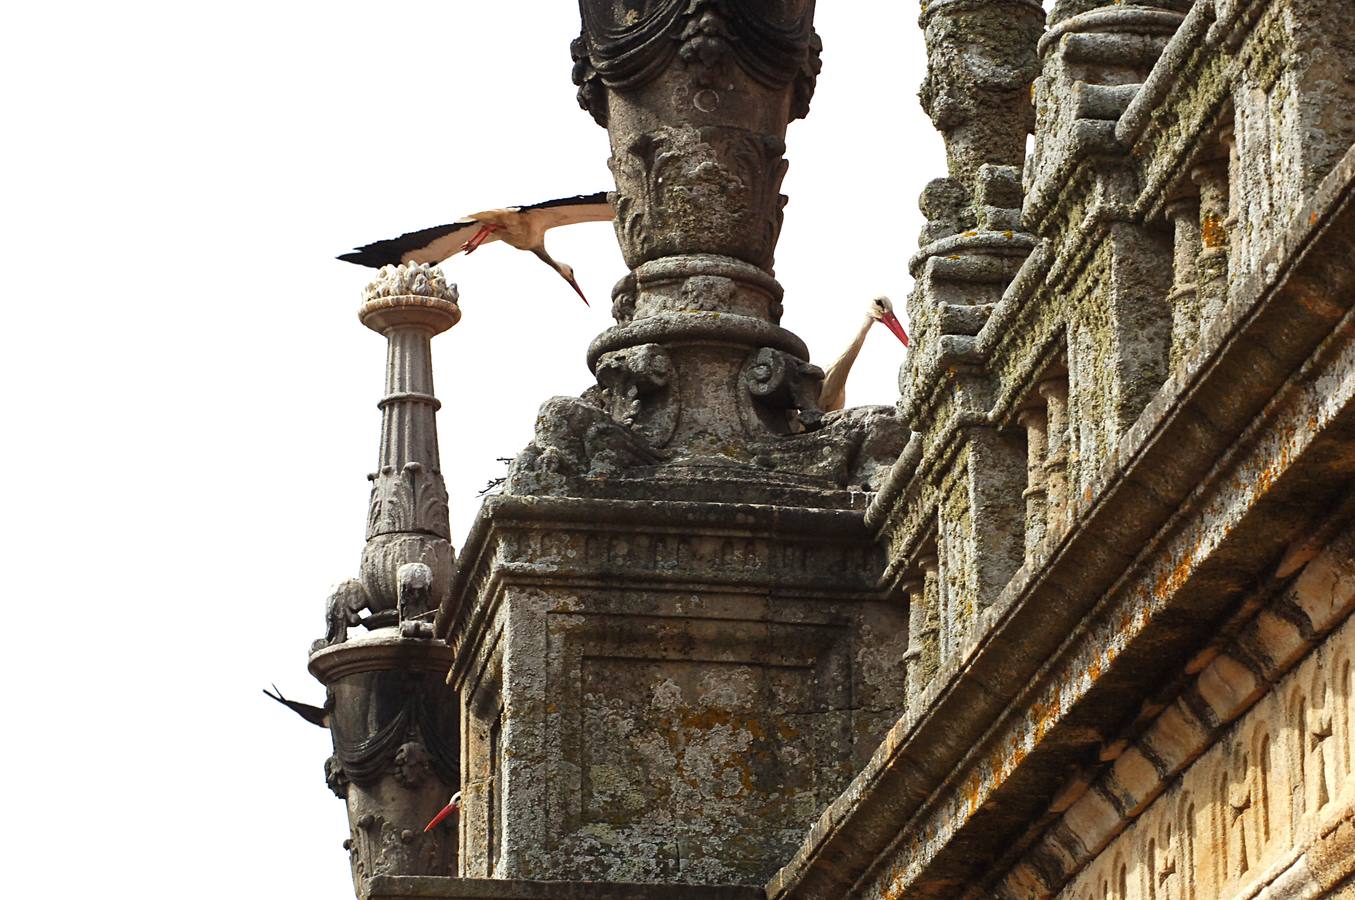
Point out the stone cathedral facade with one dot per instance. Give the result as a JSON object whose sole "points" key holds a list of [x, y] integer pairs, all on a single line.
{"points": [[1071, 620]]}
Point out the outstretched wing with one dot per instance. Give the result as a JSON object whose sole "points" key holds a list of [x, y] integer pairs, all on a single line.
{"points": [[431, 246], [569, 210], [313, 714]]}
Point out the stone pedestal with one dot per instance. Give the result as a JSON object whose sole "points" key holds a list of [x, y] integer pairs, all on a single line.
{"points": [[395, 751], [664, 691]]}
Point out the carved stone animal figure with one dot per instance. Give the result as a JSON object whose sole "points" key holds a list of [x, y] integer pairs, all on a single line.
{"points": [[343, 610]]}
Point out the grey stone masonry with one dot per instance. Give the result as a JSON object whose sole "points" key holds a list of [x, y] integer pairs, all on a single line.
{"points": [[1075, 618], [1170, 363]]}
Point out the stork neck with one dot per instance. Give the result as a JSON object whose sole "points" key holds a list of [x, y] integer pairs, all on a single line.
{"points": [[854, 348]]}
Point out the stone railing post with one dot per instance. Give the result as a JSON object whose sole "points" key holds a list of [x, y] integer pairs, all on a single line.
{"points": [[1211, 176], [1184, 214]]}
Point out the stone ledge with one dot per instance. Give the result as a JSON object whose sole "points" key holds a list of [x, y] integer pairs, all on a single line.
{"points": [[430, 888], [810, 552]]}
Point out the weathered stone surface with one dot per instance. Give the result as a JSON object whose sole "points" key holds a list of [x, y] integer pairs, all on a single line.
{"points": [[396, 888], [681, 685], [1073, 620], [1156, 520]]}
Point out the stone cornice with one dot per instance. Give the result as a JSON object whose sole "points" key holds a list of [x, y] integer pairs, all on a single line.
{"points": [[380, 650], [660, 544], [1137, 583]]}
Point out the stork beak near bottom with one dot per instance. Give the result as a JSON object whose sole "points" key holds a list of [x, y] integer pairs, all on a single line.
{"points": [[578, 290], [891, 322], [451, 807]]}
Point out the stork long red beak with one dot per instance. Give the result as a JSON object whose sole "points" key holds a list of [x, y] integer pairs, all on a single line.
{"points": [[578, 290], [443, 813], [891, 322]]}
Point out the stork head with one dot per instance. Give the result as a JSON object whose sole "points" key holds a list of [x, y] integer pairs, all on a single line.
{"points": [[567, 273], [452, 806], [881, 310]]}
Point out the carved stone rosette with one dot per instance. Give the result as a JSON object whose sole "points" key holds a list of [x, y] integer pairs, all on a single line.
{"points": [[394, 726], [696, 96]]}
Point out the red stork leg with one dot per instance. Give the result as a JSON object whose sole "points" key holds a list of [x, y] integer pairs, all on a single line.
{"points": [[480, 237]]}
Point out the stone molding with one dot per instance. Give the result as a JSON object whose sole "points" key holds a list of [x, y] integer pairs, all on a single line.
{"points": [[633, 544], [1234, 675]]}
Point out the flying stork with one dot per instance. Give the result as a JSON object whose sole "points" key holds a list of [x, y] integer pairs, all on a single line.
{"points": [[452, 806], [833, 394], [523, 227], [313, 714]]}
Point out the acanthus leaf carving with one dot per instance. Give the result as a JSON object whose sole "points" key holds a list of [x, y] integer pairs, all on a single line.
{"points": [[410, 499], [690, 189]]}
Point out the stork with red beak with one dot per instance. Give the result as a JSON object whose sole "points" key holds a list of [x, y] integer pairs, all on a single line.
{"points": [[452, 806], [523, 227], [833, 394]]}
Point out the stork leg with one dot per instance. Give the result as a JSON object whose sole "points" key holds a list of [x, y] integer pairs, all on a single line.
{"points": [[480, 237]]}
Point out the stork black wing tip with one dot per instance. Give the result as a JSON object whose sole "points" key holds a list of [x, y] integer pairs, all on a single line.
{"points": [[362, 258]]}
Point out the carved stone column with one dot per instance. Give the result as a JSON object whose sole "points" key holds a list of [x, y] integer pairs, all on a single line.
{"points": [[980, 62], [1035, 419], [1055, 394], [696, 96], [1184, 213], [1211, 176], [392, 717]]}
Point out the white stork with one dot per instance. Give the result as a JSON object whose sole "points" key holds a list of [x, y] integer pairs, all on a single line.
{"points": [[452, 806], [833, 394], [313, 714], [523, 227]]}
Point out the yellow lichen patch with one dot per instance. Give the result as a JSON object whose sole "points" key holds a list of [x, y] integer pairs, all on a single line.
{"points": [[1213, 233]]}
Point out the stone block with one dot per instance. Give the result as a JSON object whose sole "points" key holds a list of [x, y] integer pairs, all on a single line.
{"points": [[1228, 687]]}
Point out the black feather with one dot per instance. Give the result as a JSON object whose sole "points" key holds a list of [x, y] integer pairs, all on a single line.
{"points": [[577, 200], [390, 252], [313, 714]]}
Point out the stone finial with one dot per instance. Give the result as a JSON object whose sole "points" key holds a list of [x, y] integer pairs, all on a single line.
{"points": [[410, 280], [410, 293], [981, 60]]}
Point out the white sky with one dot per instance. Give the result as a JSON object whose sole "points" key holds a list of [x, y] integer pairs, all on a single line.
{"points": [[194, 397]]}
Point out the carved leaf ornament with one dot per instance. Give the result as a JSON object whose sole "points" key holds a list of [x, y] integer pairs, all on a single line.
{"points": [[628, 43]]}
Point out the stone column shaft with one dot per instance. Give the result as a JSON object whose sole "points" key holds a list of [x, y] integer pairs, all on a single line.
{"points": [[1035, 420], [408, 423], [1211, 176], [392, 719], [696, 96], [1184, 213], [1055, 394]]}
